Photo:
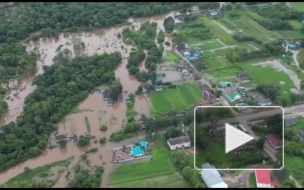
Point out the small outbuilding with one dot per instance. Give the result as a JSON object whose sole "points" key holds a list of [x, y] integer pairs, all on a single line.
{"points": [[289, 121], [179, 142], [273, 141], [300, 134], [212, 177]]}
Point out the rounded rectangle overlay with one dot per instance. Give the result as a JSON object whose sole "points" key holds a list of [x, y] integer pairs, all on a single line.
{"points": [[259, 128]]}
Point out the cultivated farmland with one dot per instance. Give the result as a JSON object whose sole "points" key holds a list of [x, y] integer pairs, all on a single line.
{"points": [[175, 99]]}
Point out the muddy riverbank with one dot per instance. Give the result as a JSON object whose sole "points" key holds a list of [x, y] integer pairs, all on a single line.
{"points": [[93, 108]]}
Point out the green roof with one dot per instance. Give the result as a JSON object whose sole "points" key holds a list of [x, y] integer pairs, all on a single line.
{"points": [[159, 78], [225, 84], [235, 95]]}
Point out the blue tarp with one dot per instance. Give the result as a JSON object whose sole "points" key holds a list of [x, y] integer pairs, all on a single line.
{"points": [[137, 151], [103, 90], [143, 143], [284, 55], [291, 46], [196, 54], [128, 98]]}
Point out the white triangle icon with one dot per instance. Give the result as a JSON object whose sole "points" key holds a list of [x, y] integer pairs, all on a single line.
{"points": [[234, 138]]}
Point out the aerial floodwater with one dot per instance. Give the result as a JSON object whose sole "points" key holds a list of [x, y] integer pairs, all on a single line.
{"points": [[93, 107]]}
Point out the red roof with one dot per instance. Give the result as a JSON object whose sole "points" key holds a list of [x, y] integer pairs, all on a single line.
{"points": [[263, 176], [274, 141]]}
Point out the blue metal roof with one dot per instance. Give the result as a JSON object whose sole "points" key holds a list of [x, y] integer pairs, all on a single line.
{"points": [[137, 151], [143, 143]]}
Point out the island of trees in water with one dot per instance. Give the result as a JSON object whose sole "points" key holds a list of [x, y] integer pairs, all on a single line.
{"points": [[65, 84]]}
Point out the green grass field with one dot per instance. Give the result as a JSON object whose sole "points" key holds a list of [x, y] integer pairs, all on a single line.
{"points": [[214, 44], [228, 24], [217, 153], [297, 6], [251, 27], [268, 75], [225, 74], [298, 126], [195, 34], [296, 25], [295, 165], [175, 99], [223, 52], [208, 54], [191, 92], [252, 180], [159, 172], [218, 31], [300, 58], [290, 34], [172, 56], [218, 63], [28, 178]]}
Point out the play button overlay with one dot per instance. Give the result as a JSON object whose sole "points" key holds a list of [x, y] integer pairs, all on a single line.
{"points": [[235, 138]]}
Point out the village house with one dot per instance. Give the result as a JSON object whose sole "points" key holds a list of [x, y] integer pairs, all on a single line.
{"points": [[289, 121], [216, 13], [262, 101], [243, 75], [222, 85], [185, 72], [263, 179], [61, 138], [273, 141], [235, 95], [106, 96], [179, 142], [241, 106], [300, 134], [212, 177]]}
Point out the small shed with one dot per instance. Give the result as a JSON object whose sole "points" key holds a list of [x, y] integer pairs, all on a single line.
{"points": [[185, 72], [137, 151], [143, 143], [103, 90], [291, 46], [159, 78], [300, 134], [243, 75]]}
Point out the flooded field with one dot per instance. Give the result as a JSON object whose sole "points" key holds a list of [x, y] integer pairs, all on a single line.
{"points": [[93, 108]]}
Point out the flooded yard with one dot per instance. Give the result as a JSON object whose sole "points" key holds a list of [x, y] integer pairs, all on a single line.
{"points": [[94, 108]]}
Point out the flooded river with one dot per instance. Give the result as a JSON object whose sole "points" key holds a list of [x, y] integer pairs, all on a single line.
{"points": [[93, 107]]}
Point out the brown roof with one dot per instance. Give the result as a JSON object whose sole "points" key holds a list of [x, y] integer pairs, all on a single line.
{"points": [[106, 94], [179, 140]]}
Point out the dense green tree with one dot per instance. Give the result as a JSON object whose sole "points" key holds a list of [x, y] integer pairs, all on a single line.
{"points": [[83, 140], [59, 90], [62, 143], [169, 24]]}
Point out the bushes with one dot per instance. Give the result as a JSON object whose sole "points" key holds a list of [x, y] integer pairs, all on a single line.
{"points": [[245, 38], [102, 140], [92, 150], [103, 127]]}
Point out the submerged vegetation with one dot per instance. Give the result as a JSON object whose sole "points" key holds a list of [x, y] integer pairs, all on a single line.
{"points": [[60, 89], [44, 177]]}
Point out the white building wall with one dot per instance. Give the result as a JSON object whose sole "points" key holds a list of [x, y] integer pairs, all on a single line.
{"points": [[220, 185], [173, 147], [263, 185]]}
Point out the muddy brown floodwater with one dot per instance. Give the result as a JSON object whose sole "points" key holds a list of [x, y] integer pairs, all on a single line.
{"points": [[93, 107]]}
